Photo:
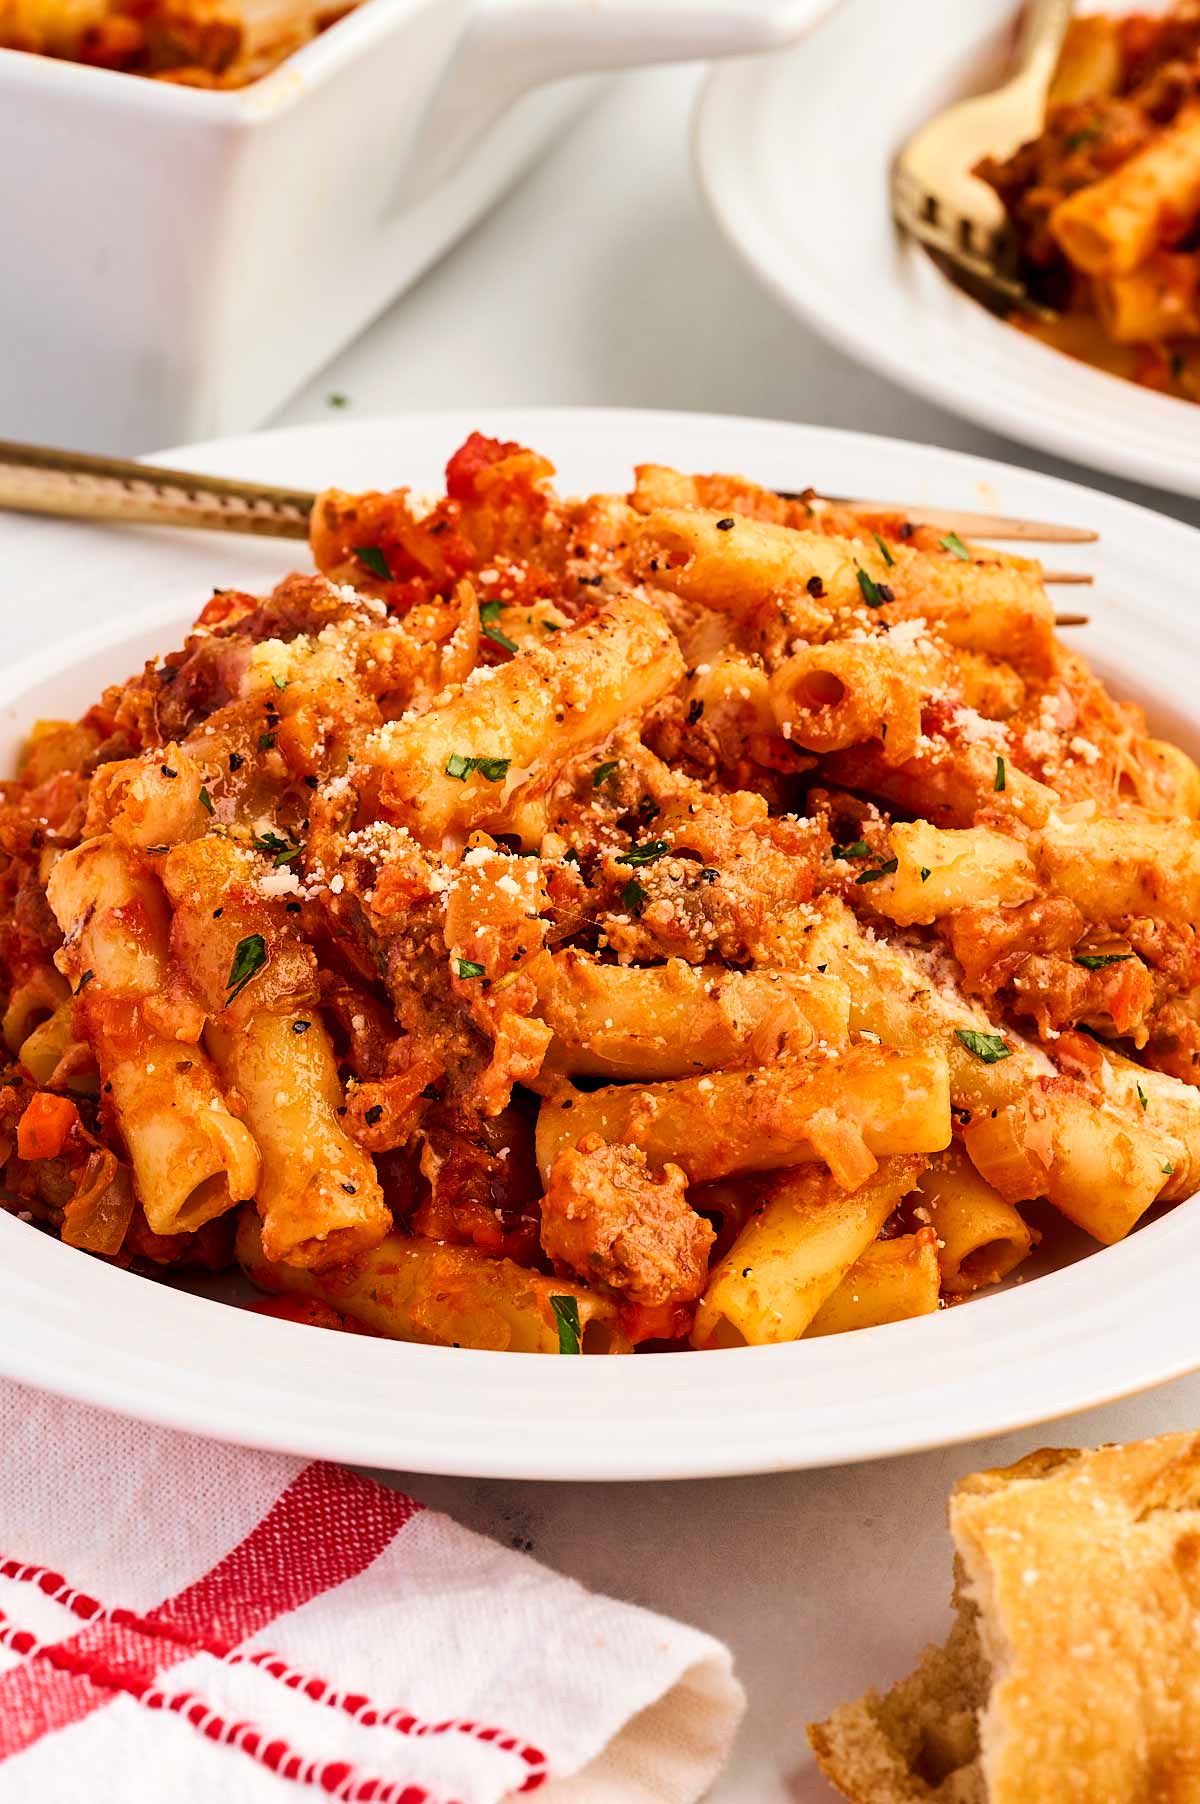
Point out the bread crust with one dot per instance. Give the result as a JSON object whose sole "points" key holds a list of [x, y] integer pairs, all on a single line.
{"points": [[1076, 1649]]}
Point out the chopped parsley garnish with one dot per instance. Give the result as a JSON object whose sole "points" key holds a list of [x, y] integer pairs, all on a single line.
{"points": [[647, 854], [884, 551], [571, 856], [279, 851], [1086, 135], [873, 593], [1096, 961], [498, 638], [727, 524], [566, 1315], [236, 761], [954, 545], [373, 560], [84, 981], [1168, 1170], [251, 956], [926, 873], [153, 849], [988, 1047], [206, 801], [280, 683], [374, 1114], [604, 772], [489, 611], [858, 849], [633, 896], [551, 626], [336, 400], [883, 870], [1141, 1096], [266, 742], [493, 770], [468, 968], [998, 785]]}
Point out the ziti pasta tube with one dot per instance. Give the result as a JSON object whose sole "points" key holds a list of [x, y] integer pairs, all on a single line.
{"points": [[1112, 225], [318, 1196], [510, 729], [980, 1237], [849, 1111], [794, 1251], [984, 603], [892, 1281], [192, 1159], [676, 1019], [410, 1288]]}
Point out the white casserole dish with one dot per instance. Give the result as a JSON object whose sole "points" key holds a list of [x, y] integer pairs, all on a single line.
{"points": [[178, 261]]}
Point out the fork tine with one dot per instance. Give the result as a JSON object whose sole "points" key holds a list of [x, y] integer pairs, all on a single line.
{"points": [[976, 526], [1072, 619], [1067, 576], [987, 270]]}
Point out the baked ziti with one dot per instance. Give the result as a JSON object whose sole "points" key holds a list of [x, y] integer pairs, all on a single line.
{"points": [[1105, 204], [681, 918]]}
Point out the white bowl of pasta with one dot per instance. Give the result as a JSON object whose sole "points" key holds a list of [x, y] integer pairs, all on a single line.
{"points": [[827, 246], [787, 1056]]}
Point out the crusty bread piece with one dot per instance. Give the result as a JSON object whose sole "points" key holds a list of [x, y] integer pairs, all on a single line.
{"points": [[1072, 1673]]}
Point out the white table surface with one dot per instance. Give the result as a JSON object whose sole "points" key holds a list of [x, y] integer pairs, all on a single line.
{"points": [[602, 281]]}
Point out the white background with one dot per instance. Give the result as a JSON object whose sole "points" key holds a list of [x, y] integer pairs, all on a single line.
{"points": [[602, 281]]}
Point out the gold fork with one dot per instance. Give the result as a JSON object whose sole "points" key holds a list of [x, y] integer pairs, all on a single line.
{"points": [[935, 195], [75, 485]]}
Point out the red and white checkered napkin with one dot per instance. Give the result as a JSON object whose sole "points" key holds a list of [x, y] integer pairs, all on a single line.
{"points": [[185, 1621]]}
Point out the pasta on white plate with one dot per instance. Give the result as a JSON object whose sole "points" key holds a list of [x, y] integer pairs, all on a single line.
{"points": [[685, 919], [1104, 204]]}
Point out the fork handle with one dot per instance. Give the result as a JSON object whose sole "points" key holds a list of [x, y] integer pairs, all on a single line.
{"points": [[1042, 30], [37, 480]]}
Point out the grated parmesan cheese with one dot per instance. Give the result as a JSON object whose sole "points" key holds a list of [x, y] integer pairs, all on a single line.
{"points": [[283, 882], [978, 731]]}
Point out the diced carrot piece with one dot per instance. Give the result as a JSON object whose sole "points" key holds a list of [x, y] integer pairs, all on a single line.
{"points": [[43, 1128]]}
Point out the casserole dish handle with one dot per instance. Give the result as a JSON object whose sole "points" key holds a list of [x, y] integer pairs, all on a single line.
{"points": [[511, 46]]}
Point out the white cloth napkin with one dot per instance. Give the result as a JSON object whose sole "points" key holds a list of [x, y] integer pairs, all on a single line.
{"points": [[181, 1620]]}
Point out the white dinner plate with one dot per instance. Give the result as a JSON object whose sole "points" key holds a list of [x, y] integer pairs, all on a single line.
{"points": [[793, 152], [1116, 1321]]}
